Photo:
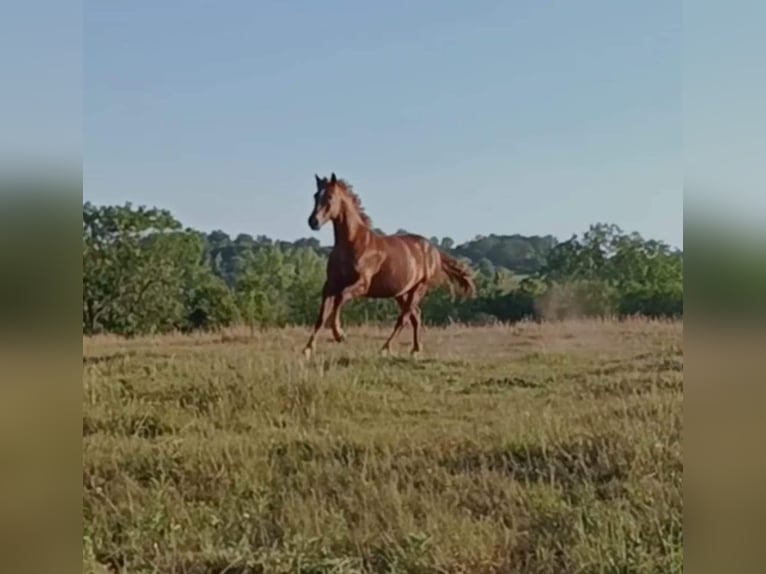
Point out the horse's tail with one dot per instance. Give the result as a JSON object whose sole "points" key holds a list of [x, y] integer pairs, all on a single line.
{"points": [[458, 275]]}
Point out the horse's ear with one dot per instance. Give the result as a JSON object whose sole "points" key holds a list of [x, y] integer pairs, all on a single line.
{"points": [[317, 178], [332, 178]]}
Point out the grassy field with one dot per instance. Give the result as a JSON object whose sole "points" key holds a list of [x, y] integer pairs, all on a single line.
{"points": [[535, 448]]}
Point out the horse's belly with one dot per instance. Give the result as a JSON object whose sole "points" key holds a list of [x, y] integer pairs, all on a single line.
{"points": [[382, 288], [390, 282]]}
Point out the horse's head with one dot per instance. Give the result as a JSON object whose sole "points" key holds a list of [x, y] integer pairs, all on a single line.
{"points": [[327, 202]]}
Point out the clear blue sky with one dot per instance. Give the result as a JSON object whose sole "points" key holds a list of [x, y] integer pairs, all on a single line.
{"points": [[450, 118]]}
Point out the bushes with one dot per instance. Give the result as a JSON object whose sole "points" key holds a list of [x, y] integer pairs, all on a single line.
{"points": [[210, 304], [653, 303], [579, 298]]}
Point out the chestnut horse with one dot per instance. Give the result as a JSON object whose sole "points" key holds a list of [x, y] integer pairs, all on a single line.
{"points": [[364, 263]]}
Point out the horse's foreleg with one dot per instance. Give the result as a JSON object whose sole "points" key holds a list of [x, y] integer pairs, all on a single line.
{"points": [[324, 311], [337, 332], [356, 289]]}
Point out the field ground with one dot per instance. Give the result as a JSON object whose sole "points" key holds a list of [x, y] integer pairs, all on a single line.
{"points": [[535, 448]]}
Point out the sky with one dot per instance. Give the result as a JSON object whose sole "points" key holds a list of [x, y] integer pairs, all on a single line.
{"points": [[450, 118]]}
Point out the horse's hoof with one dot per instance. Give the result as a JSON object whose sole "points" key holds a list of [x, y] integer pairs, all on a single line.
{"points": [[385, 352], [415, 352], [340, 338], [307, 352]]}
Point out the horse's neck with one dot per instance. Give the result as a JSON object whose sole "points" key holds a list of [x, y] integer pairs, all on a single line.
{"points": [[348, 228]]}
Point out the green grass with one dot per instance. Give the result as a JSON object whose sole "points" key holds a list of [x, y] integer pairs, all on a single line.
{"points": [[536, 448]]}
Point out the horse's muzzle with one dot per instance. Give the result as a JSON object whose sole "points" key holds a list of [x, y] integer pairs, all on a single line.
{"points": [[314, 223]]}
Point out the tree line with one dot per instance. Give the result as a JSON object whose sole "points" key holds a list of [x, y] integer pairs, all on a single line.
{"points": [[143, 272]]}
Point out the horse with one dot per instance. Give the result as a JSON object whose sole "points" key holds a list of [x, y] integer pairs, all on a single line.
{"points": [[365, 263]]}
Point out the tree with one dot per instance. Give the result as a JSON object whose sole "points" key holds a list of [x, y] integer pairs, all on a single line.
{"points": [[218, 239], [304, 291], [523, 255], [134, 265], [244, 240], [209, 303], [636, 275]]}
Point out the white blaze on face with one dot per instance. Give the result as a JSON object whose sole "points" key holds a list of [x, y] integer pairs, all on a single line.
{"points": [[320, 195]]}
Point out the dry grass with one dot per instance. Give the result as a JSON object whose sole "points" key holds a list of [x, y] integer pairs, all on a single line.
{"points": [[535, 448]]}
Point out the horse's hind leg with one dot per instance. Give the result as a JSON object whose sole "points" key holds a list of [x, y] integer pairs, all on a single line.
{"points": [[405, 303], [415, 317]]}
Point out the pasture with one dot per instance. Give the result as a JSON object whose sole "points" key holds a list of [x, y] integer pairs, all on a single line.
{"points": [[550, 447]]}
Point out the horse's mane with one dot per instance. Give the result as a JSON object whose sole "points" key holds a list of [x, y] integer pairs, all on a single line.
{"points": [[349, 189]]}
